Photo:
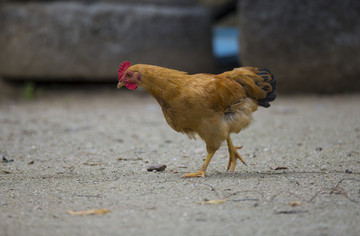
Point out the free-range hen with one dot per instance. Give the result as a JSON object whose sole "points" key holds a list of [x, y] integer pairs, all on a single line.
{"points": [[210, 106]]}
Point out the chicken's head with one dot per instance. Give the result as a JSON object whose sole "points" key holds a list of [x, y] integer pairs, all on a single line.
{"points": [[127, 77]]}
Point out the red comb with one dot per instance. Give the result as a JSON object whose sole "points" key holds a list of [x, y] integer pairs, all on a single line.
{"points": [[122, 68]]}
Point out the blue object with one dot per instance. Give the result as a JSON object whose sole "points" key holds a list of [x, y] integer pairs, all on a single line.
{"points": [[225, 42]]}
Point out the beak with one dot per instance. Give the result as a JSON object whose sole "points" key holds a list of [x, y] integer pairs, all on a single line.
{"points": [[120, 84]]}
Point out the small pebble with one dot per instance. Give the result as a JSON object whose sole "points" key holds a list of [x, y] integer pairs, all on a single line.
{"points": [[156, 167], [5, 160], [294, 203], [281, 168], [319, 149], [348, 171]]}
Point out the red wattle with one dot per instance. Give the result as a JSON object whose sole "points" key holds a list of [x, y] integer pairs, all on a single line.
{"points": [[130, 85]]}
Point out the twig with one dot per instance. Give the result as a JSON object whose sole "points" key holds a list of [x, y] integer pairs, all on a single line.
{"points": [[247, 191], [213, 189], [85, 195], [337, 190], [291, 212], [246, 199]]}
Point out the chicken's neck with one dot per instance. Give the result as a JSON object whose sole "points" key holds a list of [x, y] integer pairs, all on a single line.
{"points": [[162, 83]]}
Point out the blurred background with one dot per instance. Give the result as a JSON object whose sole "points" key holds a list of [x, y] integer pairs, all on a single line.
{"points": [[69, 140], [310, 46]]}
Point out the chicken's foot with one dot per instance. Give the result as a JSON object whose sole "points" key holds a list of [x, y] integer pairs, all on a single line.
{"points": [[233, 155], [201, 172]]}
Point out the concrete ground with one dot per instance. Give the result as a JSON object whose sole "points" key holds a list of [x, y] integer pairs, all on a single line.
{"points": [[79, 149]]}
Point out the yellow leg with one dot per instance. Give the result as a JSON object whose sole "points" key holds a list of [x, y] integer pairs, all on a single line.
{"points": [[201, 172], [233, 155]]}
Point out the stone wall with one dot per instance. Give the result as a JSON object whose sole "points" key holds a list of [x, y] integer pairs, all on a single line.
{"points": [[311, 46], [66, 40]]}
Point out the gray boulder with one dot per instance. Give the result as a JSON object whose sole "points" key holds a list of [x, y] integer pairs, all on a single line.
{"points": [[310, 46], [65, 40]]}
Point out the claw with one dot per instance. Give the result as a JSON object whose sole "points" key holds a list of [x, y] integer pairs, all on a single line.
{"points": [[200, 173], [241, 159], [233, 156]]}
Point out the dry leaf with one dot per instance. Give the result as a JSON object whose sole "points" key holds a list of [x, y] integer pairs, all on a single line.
{"points": [[89, 212], [294, 203], [214, 202]]}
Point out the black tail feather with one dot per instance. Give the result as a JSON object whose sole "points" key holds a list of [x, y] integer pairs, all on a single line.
{"points": [[267, 77]]}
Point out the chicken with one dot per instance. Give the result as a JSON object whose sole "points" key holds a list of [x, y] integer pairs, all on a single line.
{"points": [[207, 105]]}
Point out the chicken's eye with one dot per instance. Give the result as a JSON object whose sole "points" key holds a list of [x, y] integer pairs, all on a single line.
{"points": [[128, 75]]}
